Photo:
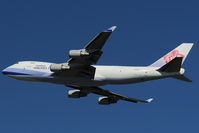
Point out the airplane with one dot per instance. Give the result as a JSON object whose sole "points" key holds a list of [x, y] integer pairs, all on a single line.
{"points": [[81, 73]]}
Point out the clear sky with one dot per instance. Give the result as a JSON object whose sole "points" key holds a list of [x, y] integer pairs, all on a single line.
{"points": [[46, 30]]}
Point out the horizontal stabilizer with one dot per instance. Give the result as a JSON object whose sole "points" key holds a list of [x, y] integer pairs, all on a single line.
{"points": [[183, 78], [173, 66]]}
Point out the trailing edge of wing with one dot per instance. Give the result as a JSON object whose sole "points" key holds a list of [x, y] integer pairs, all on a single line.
{"points": [[107, 93]]}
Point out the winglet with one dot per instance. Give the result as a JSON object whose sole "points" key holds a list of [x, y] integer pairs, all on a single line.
{"points": [[111, 29], [149, 100]]}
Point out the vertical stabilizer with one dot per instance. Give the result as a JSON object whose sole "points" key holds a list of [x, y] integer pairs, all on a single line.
{"points": [[172, 66], [181, 51]]}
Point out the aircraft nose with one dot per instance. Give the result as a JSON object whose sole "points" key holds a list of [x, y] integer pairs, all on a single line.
{"points": [[4, 71]]}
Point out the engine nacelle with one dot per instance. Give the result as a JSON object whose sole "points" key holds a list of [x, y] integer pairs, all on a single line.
{"points": [[76, 94], [106, 100], [59, 67], [78, 53]]}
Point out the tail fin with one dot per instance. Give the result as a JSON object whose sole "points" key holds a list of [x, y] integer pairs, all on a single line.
{"points": [[181, 51], [173, 66]]}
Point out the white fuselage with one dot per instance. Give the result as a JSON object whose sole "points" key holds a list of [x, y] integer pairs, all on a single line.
{"points": [[40, 72]]}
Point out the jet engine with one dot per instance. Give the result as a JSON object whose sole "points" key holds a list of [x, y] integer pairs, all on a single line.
{"points": [[78, 53], [76, 94], [59, 67], [106, 100]]}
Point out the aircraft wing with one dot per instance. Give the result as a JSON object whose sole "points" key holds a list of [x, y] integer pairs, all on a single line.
{"points": [[116, 96], [92, 51], [110, 95]]}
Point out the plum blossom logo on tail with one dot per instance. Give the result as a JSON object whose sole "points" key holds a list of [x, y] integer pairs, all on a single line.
{"points": [[172, 55]]}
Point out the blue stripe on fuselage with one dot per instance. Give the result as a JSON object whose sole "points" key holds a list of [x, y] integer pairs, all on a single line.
{"points": [[13, 73], [18, 71]]}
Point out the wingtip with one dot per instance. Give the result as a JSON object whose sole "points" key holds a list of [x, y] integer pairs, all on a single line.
{"points": [[112, 28], [149, 100]]}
